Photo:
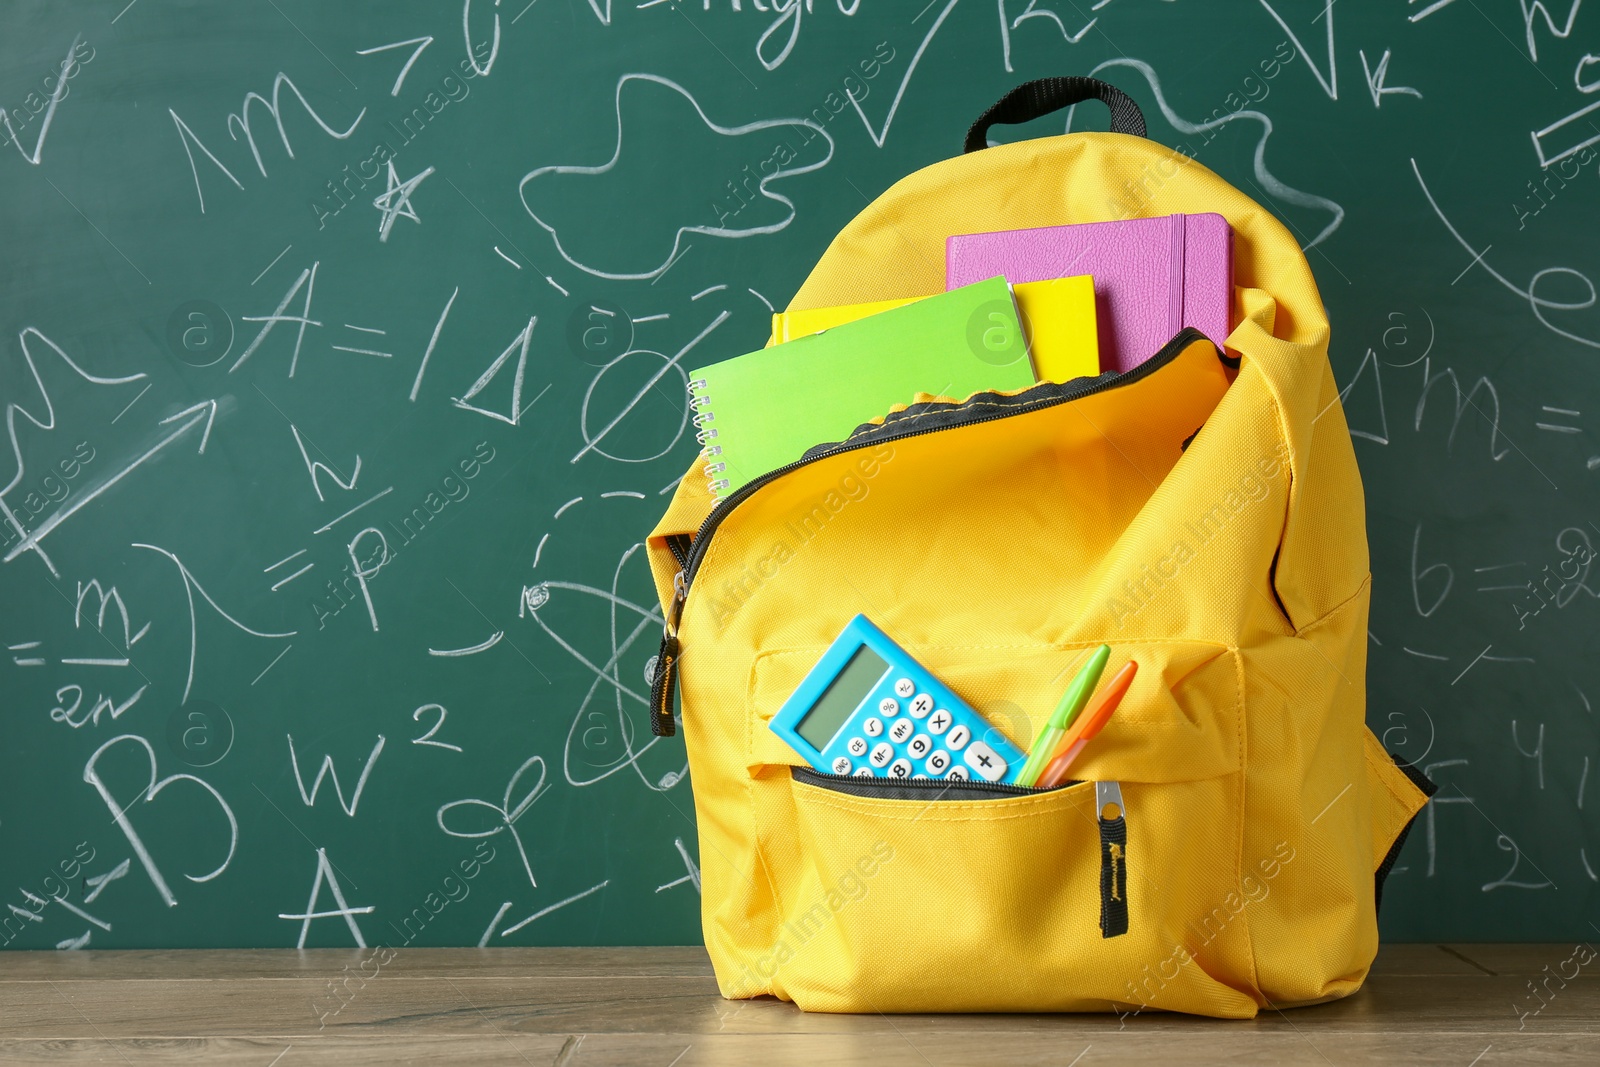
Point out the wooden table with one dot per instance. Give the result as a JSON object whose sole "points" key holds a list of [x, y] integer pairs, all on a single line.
{"points": [[1455, 1005]]}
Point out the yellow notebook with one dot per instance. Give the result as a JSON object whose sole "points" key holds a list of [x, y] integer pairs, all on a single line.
{"points": [[1057, 318]]}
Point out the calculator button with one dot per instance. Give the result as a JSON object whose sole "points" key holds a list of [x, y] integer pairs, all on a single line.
{"points": [[900, 731], [939, 762], [888, 707], [918, 746], [857, 746], [882, 754], [919, 777], [872, 726], [939, 723], [921, 704], [904, 687], [841, 765], [864, 772], [959, 773], [900, 768], [986, 761], [959, 736]]}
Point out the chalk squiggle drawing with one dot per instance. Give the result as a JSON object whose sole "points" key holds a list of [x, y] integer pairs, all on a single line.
{"points": [[1268, 180], [682, 231]]}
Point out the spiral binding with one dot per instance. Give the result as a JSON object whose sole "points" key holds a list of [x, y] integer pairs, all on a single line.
{"points": [[705, 433]]}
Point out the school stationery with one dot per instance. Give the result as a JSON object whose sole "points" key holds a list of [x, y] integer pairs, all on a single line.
{"points": [[760, 411], [1152, 277], [1058, 321], [1096, 715], [1071, 702], [868, 709]]}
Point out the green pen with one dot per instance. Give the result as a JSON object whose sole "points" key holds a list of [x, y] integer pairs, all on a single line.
{"points": [[1072, 702]]}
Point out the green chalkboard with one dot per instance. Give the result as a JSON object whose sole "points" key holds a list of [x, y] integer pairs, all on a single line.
{"points": [[342, 366]]}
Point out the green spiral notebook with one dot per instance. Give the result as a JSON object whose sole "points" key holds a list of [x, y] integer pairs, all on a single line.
{"points": [[760, 411]]}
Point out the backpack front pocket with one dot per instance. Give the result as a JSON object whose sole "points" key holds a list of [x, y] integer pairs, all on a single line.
{"points": [[930, 895], [999, 904]]}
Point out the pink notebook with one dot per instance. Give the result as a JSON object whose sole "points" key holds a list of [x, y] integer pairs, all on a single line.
{"points": [[1152, 277]]}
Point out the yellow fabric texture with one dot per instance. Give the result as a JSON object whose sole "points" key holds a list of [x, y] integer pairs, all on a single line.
{"points": [[1234, 570]]}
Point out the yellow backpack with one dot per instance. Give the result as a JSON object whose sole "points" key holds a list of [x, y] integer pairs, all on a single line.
{"points": [[1201, 514]]}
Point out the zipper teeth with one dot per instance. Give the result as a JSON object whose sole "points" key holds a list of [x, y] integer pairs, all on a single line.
{"points": [[678, 545], [931, 785], [697, 548]]}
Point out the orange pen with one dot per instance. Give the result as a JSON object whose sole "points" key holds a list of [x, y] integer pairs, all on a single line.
{"points": [[1089, 724]]}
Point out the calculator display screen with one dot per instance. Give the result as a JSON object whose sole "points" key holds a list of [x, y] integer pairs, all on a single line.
{"points": [[848, 689]]}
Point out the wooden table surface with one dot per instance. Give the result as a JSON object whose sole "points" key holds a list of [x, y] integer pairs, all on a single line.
{"points": [[1456, 1005]]}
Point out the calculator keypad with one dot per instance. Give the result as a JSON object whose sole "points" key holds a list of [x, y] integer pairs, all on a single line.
{"points": [[905, 730]]}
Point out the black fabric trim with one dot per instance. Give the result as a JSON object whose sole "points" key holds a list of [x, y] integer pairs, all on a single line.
{"points": [[1422, 782], [1418, 779]]}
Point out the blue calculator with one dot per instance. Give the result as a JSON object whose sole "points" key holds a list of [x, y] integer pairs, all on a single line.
{"points": [[868, 709]]}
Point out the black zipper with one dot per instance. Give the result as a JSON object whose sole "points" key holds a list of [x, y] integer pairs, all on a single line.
{"points": [[1084, 387], [661, 699], [679, 545], [885, 788]]}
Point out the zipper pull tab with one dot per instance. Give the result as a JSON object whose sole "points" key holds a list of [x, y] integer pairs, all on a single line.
{"points": [[662, 688], [1112, 817], [664, 684]]}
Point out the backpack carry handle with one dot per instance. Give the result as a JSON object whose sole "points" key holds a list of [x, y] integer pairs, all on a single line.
{"points": [[1032, 99]]}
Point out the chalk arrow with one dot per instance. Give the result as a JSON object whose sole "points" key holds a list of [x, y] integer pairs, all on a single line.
{"points": [[210, 418], [205, 412]]}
